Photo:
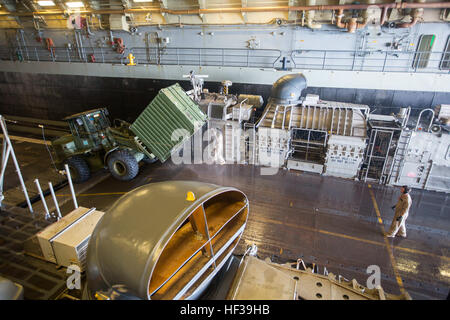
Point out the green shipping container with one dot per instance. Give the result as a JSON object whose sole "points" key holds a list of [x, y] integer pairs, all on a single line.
{"points": [[171, 114]]}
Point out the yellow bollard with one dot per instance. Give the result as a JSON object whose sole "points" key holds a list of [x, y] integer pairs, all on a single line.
{"points": [[131, 59]]}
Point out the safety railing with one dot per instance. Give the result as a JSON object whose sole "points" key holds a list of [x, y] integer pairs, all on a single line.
{"points": [[224, 57], [381, 61], [62, 54]]}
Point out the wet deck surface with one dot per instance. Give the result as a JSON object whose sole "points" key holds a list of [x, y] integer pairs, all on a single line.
{"points": [[324, 220]]}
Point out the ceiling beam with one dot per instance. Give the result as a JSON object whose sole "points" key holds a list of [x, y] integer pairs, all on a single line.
{"points": [[30, 6], [403, 5], [202, 5], [94, 4], [243, 13], [292, 15], [60, 5], [126, 4], [163, 4], [11, 8]]}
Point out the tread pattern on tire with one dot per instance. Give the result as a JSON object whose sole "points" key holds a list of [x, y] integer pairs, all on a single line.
{"points": [[82, 168], [128, 160]]}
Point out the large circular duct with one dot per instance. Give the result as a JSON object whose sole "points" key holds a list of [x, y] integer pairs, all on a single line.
{"points": [[164, 240], [288, 89]]}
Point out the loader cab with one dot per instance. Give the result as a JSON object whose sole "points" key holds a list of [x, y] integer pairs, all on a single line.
{"points": [[90, 128]]}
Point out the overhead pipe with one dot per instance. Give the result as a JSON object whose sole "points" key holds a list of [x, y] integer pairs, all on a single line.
{"points": [[393, 5], [310, 16], [415, 14], [88, 30], [111, 37], [99, 19], [413, 22], [339, 16], [78, 45], [383, 17], [369, 14], [350, 25]]}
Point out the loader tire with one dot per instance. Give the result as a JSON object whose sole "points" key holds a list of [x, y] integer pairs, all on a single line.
{"points": [[79, 169], [123, 165]]}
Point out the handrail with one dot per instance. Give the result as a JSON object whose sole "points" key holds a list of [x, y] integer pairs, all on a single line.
{"points": [[349, 60], [241, 57], [420, 116], [371, 60]]}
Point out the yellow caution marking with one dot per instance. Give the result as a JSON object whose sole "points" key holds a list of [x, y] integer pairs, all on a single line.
{"points": [[386, 241], [190, 196], [131, 59]]}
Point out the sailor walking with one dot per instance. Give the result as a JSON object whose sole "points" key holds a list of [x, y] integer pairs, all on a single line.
{"points": [[401, 214]]}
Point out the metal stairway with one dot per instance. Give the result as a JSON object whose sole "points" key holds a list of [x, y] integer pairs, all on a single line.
{"points": [[230, 154], [369, 150], [234, 144], [399, 156]]}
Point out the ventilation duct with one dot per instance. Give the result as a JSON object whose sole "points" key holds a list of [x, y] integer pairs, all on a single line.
{"points": [[288, 89]]}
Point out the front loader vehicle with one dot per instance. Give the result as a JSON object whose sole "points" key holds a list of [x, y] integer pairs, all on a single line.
{"points": [[94, 144], [83, 150]]}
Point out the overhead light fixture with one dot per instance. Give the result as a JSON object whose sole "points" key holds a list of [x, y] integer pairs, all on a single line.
{"points": [[75, 4], [46, 3]]}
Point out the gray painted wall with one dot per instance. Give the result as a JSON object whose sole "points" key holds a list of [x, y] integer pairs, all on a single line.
{"points": [[283, 38], [269, 37]]}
